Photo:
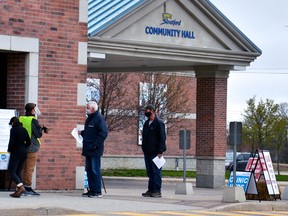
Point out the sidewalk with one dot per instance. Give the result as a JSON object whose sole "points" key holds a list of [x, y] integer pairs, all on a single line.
{"points": [[124, 194]]}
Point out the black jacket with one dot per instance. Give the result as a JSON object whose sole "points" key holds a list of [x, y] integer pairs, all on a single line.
{"points": [[19, 141], [94, 134], [154, 137]]}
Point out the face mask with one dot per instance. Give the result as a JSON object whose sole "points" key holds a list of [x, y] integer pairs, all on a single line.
{"points": [[88, 111], [148, 114]]}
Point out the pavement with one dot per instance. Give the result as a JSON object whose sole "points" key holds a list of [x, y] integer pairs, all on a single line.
{"points": [[124, 195]]}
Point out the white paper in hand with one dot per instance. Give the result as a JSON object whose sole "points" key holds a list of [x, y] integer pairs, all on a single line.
{"points": [[77, 136], [159, 162]]}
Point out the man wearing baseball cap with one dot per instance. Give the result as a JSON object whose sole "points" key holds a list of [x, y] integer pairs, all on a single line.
{"points": [[31, 124], [153, 145]]}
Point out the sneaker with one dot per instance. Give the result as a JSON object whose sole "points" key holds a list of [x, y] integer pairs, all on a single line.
{"points": [[147, 194], [27, 193], [34, 193], [94, 195], [156, 194], [30, 191], [86, 194]]}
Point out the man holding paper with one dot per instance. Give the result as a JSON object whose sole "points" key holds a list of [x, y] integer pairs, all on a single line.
{"points": [[94, 134], [153, 146]]}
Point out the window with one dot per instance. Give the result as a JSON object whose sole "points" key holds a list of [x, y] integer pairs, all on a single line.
{"points": [[150, 93], [93, 89]]}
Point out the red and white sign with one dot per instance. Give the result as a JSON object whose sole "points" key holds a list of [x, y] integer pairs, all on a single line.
{"points": [[263, 164], [251, 164], [270, 175]]}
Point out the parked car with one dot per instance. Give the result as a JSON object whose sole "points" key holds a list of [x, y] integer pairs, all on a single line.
{"points": [[228, 159], [241, 161]]}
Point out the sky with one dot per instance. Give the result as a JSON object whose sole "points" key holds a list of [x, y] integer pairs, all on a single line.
{"points": [[265, 23]]}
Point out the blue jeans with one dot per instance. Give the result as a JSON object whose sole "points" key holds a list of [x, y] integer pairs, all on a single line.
{"points": [[154, 174], [93, 169]]}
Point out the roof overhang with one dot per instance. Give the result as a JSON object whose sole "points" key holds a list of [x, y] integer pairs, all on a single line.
{"points": [[124, 46]]}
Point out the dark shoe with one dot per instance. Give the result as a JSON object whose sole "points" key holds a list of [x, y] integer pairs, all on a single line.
{"points": [[27, 193], [31, 191], [156, 194], [147, 194], [86, 194], [14, 194], [18, 192], [95, 195]]}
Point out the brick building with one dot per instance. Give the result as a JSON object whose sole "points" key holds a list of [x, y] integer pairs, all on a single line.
{"points": [[45, 55], [43, 58]]}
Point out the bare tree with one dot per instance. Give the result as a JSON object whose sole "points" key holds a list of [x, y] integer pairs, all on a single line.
{"points": [[119, 102], [110, 92], [169, 93]]}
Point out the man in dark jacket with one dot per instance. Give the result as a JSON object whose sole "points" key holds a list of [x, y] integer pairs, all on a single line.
{"points": [[153, 145], [94, 134]]}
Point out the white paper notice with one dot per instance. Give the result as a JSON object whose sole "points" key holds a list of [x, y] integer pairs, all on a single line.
{"points": [[77, 136], [159, 162]]}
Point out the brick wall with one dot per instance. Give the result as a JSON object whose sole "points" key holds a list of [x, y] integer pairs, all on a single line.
{"points": [[211, 116], [55, 23]]}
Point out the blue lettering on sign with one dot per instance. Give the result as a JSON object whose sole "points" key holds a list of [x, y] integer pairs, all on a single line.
{"points": [[149, 30], [241, 181], [188, 34]]}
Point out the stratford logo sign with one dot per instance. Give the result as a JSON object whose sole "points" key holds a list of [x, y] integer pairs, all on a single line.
{"points": [[167, 19]]}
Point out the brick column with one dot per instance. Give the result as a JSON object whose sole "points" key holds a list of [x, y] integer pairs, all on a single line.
{"points": [[211, 126]]}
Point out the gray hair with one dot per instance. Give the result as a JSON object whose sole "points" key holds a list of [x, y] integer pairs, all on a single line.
{"points": [[93, 105]]}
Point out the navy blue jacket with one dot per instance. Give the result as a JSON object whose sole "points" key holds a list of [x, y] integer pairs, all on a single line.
{"points": [[94, 134], [154, 137]]}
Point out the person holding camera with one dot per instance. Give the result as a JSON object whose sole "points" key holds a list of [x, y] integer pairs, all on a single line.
{"points": [[31, 124]]}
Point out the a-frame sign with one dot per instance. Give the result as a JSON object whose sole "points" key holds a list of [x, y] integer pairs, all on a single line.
{"points": [[261, 165]]}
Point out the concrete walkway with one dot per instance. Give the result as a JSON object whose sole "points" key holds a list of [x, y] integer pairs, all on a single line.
{"points": [[124, 194]]}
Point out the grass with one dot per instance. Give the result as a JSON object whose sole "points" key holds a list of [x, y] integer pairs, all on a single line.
{"points": [[282, 177], [165, 173], [142, 173]]}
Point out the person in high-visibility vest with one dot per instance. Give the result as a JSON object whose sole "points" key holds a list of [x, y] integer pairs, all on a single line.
{"points": [[31, 124]]}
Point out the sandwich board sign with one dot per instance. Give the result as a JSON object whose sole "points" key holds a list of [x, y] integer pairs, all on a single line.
{"points": [[269, 175], [261, 165], [245, 180]]}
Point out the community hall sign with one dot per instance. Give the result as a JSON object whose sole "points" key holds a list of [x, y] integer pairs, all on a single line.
{"points": [[171, 30]]}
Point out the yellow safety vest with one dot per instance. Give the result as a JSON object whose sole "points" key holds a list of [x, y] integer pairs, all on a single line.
{"points": [[27, 124]]}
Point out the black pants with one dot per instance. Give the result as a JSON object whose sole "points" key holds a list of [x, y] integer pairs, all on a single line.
{"points": [[154, 174], [15, 167]]}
